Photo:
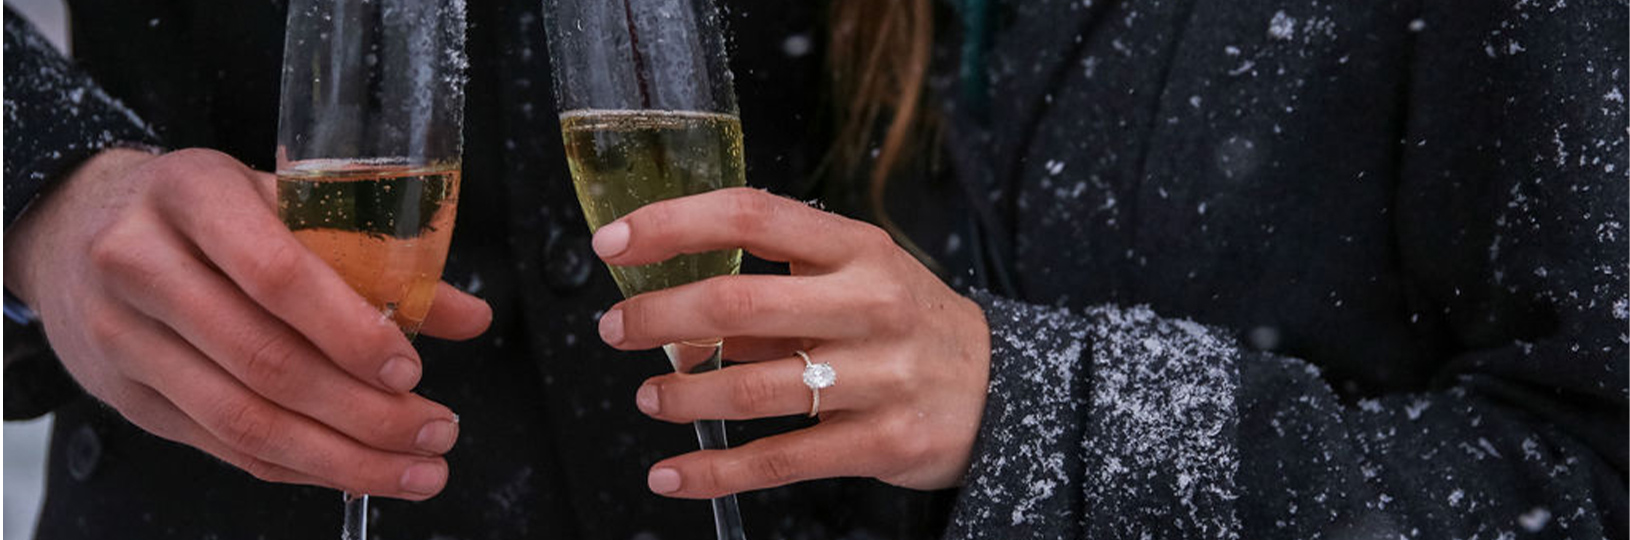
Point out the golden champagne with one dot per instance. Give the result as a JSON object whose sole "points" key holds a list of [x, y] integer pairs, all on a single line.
{"points": [[622, 160], [385, 228]]}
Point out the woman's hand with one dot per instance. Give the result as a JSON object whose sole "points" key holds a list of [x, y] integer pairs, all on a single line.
{"points": [[912, 357], [171, 291]]}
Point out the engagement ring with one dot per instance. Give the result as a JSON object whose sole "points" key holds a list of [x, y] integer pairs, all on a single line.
{"points": [[816, 377]]}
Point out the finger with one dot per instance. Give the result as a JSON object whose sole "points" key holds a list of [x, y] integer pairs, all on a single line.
{"points": [[253, 248], [266, 185], [160, 417], [751, 305], [747, 391], [758, 349], [456, 315], [213, 316], [771, 227], [827, 450], [250, 425]]}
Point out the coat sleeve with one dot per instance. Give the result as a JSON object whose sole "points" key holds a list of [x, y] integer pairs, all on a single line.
{"points": [[1118, 423], [56, 117]]}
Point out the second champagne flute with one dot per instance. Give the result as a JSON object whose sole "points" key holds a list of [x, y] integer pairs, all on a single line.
{"points": [[369, 149], [648, 113]]}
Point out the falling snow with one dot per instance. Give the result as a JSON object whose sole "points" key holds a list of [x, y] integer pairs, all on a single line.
{"points": [[1054, 167], [1534, 520], [1282, 26]]}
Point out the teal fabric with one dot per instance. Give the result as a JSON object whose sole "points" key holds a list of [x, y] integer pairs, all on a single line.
{"points": [[975, 42]]}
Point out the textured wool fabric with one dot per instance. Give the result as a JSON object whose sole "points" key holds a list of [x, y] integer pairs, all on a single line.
{"points": [[1307, 270]]}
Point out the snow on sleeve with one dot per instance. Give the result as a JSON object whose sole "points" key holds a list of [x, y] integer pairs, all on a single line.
{"points": [[1111, 423], [55, 116], [1161, 443], [1027, 463]]}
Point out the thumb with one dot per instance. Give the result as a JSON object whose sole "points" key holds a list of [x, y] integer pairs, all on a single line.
{"points": [[456, 315]]}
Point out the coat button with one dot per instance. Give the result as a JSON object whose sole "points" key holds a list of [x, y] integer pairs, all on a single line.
{"points": [[84, 453], [569, 262]]}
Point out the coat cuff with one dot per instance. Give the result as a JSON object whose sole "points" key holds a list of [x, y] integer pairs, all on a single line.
{"points": [[1103, 423], [56, 117], [1024, 479]]}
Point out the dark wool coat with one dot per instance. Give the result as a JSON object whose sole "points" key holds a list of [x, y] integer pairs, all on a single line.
{"points": [[1253, 270]]}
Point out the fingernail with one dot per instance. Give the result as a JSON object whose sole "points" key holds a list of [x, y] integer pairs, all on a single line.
{"points": [[423, 478], [611, 327], [611, 239], [437, 437], [399, 374], [663, 480], [646, 400]]}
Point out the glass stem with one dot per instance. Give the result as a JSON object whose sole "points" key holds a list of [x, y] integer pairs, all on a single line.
{"points": [[698, 357], [726, 515], [356, 517]]}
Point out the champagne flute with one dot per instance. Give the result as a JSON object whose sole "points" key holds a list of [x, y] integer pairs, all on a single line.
{"points": [[647, 112], [369, 149]]}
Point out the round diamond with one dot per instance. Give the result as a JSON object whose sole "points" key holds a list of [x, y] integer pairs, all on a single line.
{"points": [[820, 376]]}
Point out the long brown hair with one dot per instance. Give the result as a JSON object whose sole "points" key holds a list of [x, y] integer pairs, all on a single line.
{"points": [[877, 64]]}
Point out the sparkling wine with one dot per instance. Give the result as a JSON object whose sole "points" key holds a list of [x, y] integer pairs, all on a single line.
{"points": [[384, 227], [622, 160]]}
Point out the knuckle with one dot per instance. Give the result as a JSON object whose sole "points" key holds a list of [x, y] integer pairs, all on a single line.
{"points": [[137, 408], [748, 209], [169, 166], [654, 217], [118, 252], [176, 170], [776, 468], [124, 399], [275, 270], [192, 154], [875, 237], [734, 301], [269, 365], [751, 394], [359, 351], [195, 160], [200, 187], [264, 471], [708, 477], [902, 442], [106, 329], [107, 251], [353, 470], [898, 376], [247, 427], [390, 430], [890, 306]]}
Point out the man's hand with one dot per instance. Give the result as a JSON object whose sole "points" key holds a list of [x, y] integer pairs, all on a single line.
{"points": [[171, 291]]}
